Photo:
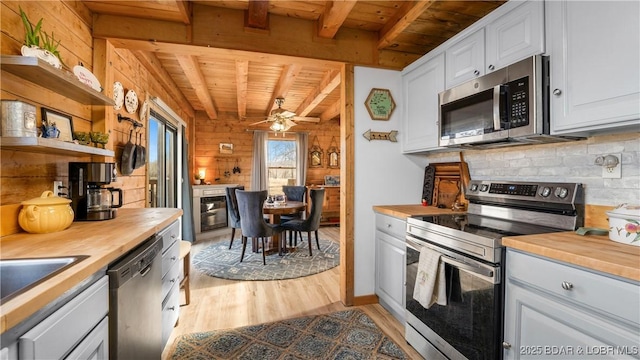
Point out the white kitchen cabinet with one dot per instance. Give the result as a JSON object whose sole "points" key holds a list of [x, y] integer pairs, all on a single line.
{"points": [[421, 87], [170, 278], [72, 328], [595, 65], [510, 37], [515, 35], [554, 309], [390, 264], [465, 59]]}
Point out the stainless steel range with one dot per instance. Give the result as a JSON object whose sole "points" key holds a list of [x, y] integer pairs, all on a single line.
{"points": [[470, 325]]}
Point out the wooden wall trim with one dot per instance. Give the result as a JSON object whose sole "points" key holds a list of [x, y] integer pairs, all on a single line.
{"points": [[365, 300], [347, 144]]}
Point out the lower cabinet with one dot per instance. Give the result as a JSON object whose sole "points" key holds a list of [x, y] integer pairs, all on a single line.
{"points": [[556, 310], [170, 279], [390, 264], [77, 330]]}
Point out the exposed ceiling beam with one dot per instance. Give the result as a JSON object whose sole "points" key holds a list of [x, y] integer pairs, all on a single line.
{"points": [[191, 68], [334, 15], [329, 82], [152, 64], [409, 12], [257, 15], [287, 77], [331, 112], [184, 8], [242, 80]]}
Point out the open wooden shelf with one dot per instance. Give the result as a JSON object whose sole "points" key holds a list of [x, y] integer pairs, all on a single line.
{"points": [[60, 81], [50, 146]]}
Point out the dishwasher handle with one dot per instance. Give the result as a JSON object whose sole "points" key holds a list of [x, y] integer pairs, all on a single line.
{"points": [[137, 262]]}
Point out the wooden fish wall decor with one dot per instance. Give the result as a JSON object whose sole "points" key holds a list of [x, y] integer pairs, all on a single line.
{"points": [[376, 135]]}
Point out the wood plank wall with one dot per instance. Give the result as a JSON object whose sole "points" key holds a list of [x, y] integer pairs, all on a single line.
{"points": [[25, 175], [227, 129]]}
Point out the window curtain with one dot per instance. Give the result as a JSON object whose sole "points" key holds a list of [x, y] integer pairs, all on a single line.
{"points": [[259, 173], [302, 143], [188, 226]]}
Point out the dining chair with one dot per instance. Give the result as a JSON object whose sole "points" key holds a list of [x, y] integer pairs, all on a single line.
{"points": [[294, 193], [312, 222], [252, 221], [233, 212]]}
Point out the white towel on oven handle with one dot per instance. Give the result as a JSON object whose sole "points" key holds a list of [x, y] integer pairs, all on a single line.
{"points": [[430, 287]]}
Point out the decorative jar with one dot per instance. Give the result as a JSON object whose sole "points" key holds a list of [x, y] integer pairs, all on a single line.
{"points": [[45, 214], [624, 224]]}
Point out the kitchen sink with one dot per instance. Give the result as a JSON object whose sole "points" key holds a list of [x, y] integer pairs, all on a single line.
{"points": [[19, 275]]}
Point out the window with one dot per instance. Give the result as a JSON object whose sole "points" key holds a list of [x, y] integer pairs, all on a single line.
{"points": [[281, 164]]}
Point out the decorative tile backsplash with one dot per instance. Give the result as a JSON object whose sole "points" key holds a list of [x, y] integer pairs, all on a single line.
{"points": [[561, 162]]}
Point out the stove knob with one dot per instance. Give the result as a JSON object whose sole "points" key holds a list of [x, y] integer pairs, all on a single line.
{"points": [[546, 191], [474, 187], [484, 187], [562, 192]]}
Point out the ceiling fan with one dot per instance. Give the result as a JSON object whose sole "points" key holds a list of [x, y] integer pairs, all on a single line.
{"points": [[282, 119]]}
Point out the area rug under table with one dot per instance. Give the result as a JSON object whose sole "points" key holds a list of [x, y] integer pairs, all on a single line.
{"points": [[217, 260], [349, 334]]}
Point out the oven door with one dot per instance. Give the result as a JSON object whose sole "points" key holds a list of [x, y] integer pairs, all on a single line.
{"points": [[470, 325], [213, 213]]}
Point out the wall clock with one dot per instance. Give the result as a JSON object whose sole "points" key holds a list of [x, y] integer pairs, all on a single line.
{"points": [[380, 104]]}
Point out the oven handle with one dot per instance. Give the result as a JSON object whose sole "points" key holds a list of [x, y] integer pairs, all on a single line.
{"points": [[482, 272]]}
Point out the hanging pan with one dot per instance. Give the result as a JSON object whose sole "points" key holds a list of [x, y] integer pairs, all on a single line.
{"points": [[140, 153], [128, 156]]}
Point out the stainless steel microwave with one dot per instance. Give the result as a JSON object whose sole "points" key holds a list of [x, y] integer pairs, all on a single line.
{"points": [[505, 106]]}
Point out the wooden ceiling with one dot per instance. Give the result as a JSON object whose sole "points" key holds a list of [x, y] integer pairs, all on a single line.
{"points": [[235, 57]]}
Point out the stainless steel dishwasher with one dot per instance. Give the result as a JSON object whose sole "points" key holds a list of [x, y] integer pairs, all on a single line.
{"points": [[135, 303]]}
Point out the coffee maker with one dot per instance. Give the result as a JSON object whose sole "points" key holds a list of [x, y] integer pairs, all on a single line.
{"points": [[91, 199]]}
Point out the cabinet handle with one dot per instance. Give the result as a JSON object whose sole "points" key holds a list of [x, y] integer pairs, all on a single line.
{"points": [[173, 258], [172, 308], [506, 345], [476, 72], [557, 92], [567, 285], [491, 67], [388, 225]]}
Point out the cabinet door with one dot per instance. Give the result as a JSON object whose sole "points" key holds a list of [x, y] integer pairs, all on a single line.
{"points": [[594, 57], [465, 59], [515, 36], [95, 346], [390, 268], [420, 88], [538, 326]]}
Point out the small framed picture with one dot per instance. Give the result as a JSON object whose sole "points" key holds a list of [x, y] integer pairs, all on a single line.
{"points": [[62, 122], [332, 180], [226, 148]]}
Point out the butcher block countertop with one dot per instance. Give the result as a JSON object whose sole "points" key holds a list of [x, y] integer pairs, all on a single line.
{"points": [[103, 241], [595, 252], [404, 211]]}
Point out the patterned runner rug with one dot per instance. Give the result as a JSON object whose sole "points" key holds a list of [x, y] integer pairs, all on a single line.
{"points": [[349, 334], [218, 261]]}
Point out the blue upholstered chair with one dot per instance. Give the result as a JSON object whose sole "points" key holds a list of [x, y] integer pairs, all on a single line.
{"points": [[312, 222], [294, 193], [252, 221], [233, 212]]}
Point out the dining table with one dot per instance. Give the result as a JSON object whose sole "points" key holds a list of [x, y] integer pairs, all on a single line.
{"points": [[275, 210]]}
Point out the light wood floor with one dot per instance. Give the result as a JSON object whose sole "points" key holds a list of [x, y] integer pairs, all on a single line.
{"points": [[225, 304]]}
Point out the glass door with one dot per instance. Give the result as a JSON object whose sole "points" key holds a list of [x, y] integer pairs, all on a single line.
{"points": [[163, 160]]}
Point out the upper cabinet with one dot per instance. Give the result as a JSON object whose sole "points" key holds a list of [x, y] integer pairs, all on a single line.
{"points": [[513, 36], [595, 65], [421, 87]]}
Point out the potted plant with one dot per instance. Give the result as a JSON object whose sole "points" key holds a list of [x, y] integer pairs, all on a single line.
{"points": [[198, 180], [48, 51]]}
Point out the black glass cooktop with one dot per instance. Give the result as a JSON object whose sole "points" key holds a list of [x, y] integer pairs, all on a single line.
{"points": [[486, 226]]}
